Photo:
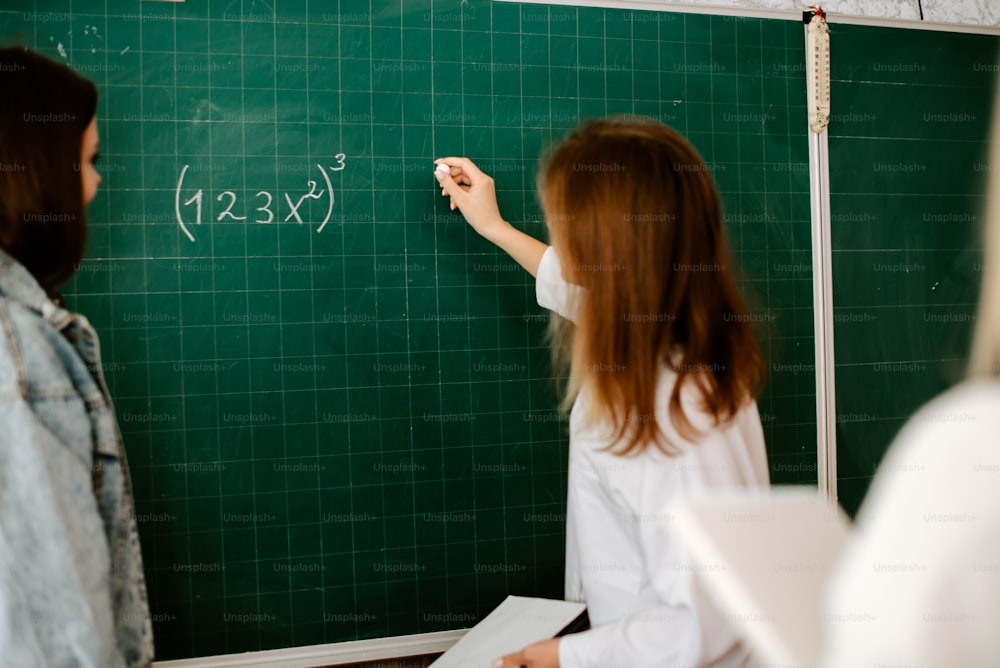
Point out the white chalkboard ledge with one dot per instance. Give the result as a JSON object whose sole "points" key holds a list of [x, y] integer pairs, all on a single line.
{"points": [[334, 654]]}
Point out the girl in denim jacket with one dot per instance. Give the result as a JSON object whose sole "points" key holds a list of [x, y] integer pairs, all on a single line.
{"points": [[72, 591]]}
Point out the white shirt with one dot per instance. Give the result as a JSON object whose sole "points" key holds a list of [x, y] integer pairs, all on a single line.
{"points": [[621, 556], [919, 583]]}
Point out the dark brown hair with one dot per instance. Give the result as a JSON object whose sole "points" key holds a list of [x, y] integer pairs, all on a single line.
{"points": [[46, 109], [635, 217]]}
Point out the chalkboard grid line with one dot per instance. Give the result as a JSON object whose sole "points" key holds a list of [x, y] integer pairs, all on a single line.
{"points": [[350, 408], [183, 379], [493, 253], [212, 254], [475, 507], [308, 332], [409, 357], [530, 191]]}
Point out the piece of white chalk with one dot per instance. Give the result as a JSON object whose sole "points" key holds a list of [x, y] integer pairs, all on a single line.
{"points": [[441, 167]]}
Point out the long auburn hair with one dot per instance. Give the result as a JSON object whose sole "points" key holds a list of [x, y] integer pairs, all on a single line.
{"points": [[635, 217], [46, 110]]}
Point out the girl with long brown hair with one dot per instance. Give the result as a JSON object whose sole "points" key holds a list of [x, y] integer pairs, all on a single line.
{"points": [[663, 373]]}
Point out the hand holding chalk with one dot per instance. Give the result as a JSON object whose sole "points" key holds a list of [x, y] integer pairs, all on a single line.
{"points": [[473, 193]]}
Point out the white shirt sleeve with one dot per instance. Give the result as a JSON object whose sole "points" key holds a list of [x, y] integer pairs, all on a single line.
{"points": [[552, 290]]}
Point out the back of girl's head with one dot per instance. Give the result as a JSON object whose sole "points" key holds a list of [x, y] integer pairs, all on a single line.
{"points": [[46, 109], [635, 216]]}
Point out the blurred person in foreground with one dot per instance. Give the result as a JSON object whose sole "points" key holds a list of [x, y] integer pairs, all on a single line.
{"points": [[919, 582]]}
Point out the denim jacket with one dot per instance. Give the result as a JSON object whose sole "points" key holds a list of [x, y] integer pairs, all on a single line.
{"points": [[72, 591]]}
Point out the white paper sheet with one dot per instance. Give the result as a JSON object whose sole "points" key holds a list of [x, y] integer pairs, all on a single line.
{"points": [[516, 622], [767, 558]]}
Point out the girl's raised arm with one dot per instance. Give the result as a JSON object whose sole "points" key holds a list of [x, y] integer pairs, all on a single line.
{"points": [[472, 192]]}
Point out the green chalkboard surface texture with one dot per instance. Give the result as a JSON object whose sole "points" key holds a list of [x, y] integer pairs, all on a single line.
{"points": [[336, 399], [908, 161]]}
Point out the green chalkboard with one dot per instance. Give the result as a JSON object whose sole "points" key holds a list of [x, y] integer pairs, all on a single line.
{"points": [[908, 160], [336, 399]]}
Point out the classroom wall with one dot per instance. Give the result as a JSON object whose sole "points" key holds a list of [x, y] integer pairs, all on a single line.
{"points": [[971, 12]]}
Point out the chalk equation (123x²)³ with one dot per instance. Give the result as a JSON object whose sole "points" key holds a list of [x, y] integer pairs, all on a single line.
{"points": [[264, 212]]}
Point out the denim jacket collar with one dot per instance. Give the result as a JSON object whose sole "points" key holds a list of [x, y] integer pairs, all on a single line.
{"points": [[18, 285]]}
